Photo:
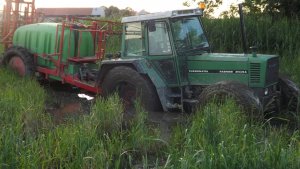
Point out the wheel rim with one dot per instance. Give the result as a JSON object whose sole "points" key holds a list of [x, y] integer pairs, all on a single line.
{"points": [[17, 65], [127, 92]]}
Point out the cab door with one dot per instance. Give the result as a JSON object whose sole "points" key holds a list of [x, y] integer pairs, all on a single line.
{"points": [[160, 51]]}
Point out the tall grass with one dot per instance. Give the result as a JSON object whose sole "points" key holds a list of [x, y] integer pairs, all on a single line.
{"points": [[270, 36], [21, 103], [217, 137], [220, 137], [29, 138]]}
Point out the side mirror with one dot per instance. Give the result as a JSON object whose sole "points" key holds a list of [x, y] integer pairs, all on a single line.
{"points": [[151, 26]]}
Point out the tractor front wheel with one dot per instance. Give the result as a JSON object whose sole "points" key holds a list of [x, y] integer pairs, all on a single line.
{"points": [[289, 94], [19, 60], [240, 93]]}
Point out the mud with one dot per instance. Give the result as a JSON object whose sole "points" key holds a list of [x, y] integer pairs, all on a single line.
{"points": [[165, 121], [63, 103]]}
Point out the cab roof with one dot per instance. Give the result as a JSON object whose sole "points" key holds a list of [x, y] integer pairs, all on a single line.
{"points": [[162, 15]]}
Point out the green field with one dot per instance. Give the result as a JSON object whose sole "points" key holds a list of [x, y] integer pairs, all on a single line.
{"points": [[215, 137]]}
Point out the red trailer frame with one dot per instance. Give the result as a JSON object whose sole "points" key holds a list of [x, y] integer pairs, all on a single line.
{"points": [[99, 29], [16, 13]]}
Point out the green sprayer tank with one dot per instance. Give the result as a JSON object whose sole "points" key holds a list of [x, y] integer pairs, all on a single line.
{"points": [[43, 39]]}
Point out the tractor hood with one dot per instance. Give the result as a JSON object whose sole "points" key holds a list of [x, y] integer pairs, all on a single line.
{"points": [[249, 69], [230, 57], [219, 57]]}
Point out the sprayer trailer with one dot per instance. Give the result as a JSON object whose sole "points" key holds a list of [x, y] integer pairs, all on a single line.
{"points": [[165, 60]]}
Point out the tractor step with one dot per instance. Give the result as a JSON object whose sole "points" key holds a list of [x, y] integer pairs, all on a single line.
{"points": [[191, 101], [173, 106], [174, 95]]}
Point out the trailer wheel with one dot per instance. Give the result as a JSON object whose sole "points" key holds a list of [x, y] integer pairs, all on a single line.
{"points": [[244, 97], [130, 85], [289, 94], [19, 60]]}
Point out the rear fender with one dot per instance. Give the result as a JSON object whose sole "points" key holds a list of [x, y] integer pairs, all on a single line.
{"points": [[107, 65]]}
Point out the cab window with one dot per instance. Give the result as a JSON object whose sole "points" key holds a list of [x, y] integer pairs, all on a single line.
{"points": [[159, 42], [134, 45]]}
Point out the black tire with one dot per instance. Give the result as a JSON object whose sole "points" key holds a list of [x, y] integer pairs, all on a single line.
{"points": [[22, 56], [242, 94], [289, 94], [124, 80]]}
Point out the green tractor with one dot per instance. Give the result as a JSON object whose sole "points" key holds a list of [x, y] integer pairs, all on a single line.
{"points": [[165, 60]]}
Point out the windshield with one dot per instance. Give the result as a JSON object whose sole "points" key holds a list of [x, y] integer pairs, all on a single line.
{"points": [[189, 36]]}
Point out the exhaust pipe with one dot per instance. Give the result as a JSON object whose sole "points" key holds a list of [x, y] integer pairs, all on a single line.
{"points": [[242, 23]]}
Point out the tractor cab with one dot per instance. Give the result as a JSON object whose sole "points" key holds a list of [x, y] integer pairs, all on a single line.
{"points": [[165, 39]]}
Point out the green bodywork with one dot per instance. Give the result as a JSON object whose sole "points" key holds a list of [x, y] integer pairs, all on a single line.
{"points": [[211, 68], [43, 40]]}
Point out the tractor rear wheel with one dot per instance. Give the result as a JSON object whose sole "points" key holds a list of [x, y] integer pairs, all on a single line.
{"points": [[130, 85], [240, 93], [19, 60]]}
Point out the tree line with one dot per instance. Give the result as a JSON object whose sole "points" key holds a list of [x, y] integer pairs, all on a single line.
{"points": [[274, 8], [115, 12]]}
